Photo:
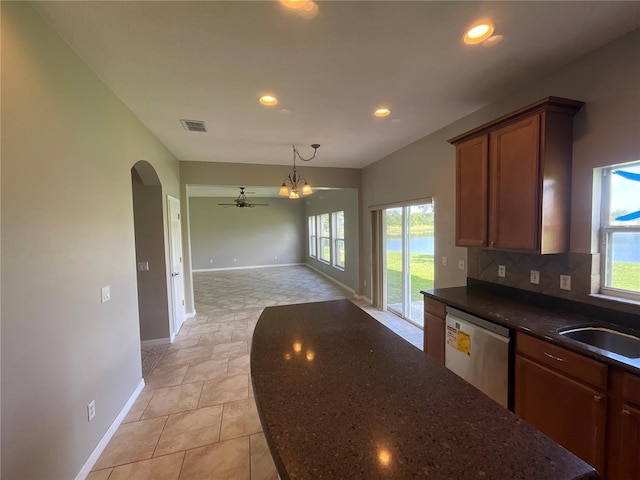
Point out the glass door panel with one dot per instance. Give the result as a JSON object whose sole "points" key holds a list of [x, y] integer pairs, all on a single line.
{"points": [[394, 272], [419, 258], [409, 255]]}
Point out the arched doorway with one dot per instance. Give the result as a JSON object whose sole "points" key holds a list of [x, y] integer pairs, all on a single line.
{"points": [[153, 309]]}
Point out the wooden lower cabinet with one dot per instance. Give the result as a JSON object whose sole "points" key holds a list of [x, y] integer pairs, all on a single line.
{"points": [[434, 328], [623, 435], [564, 395], [570, 412]]}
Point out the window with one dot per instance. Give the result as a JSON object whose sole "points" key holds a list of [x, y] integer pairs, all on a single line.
{"points": [[325, 238], [338, 239], [620, 231], [313, 238]]}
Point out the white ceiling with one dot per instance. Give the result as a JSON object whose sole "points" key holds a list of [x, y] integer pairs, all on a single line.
{"points": [[212, 60]]}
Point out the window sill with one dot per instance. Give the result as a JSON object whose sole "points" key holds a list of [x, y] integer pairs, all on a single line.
{"points": [[338, 268], [612, 298]]}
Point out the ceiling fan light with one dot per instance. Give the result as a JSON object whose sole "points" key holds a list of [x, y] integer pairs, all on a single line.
{"points": [[284, 191], [306, 189], [294, 193]]}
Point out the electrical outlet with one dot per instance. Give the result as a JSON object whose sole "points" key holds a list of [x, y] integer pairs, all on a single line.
{"points": [[276, 257], [235, 260], [444, 261], [105, 294], [460, 264], [565, 282], [502, 271], [91, 410], [534, 277], [211, 260]]}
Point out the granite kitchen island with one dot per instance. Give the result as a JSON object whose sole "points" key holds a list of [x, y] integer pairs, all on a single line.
{"points": [[341, 396]]}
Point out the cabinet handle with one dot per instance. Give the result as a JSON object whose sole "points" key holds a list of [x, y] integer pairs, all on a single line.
{"points": [[554, 357], [626, 412], [597, 398]]}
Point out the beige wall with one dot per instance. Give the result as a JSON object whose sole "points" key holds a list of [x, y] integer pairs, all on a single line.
{"points": [[153, 304], [605, 132], [68, 145], [328, 201], [251, 236], [201, 173]]}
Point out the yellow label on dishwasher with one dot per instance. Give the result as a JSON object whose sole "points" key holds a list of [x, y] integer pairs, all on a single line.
{"points": [[463, 342]]}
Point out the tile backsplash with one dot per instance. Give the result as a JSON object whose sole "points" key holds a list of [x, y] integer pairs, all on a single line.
{"points": [[584, 269]]}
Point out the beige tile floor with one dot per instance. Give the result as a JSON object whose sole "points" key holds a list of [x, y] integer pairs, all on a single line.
{"points": [[196, 418]]}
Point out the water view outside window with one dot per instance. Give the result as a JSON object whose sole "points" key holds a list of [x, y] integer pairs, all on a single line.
{"points": [[409, 233], [621, 230]]}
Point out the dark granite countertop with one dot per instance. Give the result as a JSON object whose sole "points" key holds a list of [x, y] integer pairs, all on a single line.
{"points": [[342, 396], [541, 316]]}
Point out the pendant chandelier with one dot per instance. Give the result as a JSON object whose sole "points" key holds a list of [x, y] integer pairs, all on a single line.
{"points": [[291, 186]]}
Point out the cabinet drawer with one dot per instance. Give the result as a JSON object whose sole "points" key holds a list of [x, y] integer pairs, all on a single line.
{"points": [[434, 307], [631, 388], [573, 364]]}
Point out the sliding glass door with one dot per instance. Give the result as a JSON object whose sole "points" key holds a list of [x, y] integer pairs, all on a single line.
{"points": [[409, 242]]}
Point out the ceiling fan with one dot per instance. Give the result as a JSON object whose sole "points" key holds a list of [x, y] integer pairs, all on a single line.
{"points": [[243, 202]]}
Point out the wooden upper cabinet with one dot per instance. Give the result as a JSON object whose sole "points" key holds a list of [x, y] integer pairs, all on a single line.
{"points": [[514, 185], [513, 179], [472, 187]]}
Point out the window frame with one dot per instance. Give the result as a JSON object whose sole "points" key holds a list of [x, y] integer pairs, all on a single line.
{"points": [[313, 237], [607, 231], [336, 239], [322, 237]]}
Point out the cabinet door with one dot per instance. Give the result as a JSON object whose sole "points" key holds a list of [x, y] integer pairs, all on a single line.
{"points": [[515, 184], [570, 412], [472, 170], [434, 328], [630, 443]]}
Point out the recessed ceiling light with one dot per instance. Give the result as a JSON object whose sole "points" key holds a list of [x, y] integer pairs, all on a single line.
{"points": [[268, 100], [395, 120], [478, 33], [294, 4], [492, 41], [382, 112], [285, 111]]}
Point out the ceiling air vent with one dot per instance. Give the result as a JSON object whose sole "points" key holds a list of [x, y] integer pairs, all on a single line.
{"points": [[194, 125]]}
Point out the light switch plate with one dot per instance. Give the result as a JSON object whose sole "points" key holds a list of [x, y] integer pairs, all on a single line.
{"points": [[105, 294], [143, 266], [460, 264], [534, 277], [444, 261], [502, 271]]}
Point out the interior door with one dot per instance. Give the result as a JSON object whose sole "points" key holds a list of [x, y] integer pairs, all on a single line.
{"points": [[175, 261]]}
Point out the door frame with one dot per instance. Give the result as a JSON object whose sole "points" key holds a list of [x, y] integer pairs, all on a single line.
{"points": [[176, 266]]}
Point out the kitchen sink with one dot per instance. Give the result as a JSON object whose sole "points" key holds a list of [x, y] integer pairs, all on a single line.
{"points": [[606, 339]]}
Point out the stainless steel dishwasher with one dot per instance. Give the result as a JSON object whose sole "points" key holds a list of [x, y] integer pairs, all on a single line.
{"points": [[478, 351]]}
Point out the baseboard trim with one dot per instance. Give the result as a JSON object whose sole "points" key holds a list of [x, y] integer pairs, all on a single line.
{"points": [[362, 297], [157, 341], [95, 455], [249, 267], [191, 314], [340, 284]]}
